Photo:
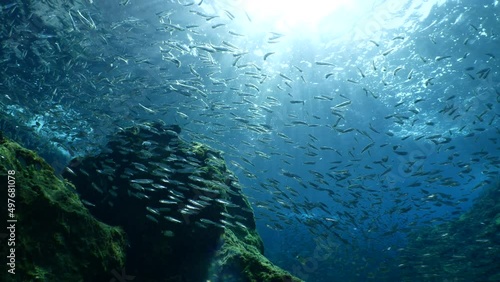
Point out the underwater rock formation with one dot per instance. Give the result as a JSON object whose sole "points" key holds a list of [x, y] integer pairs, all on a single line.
{"points": [[183, 211], [467, 249], [55, 238]]}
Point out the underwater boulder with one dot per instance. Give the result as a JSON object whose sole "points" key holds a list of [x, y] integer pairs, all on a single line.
{"points": [[52, 236], [465, 249], [184, 213], [237, 261]]}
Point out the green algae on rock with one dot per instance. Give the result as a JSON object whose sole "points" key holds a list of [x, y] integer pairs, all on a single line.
{"points": [[56, 238], [238, 261]]}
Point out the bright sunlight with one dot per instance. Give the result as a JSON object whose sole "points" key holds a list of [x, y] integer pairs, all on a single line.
{"points": [[304, 14]]}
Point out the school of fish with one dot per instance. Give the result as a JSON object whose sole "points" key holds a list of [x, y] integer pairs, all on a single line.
{"points": [[369, 145]]}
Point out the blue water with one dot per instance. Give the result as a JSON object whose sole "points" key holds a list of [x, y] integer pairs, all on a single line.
{"points": [[361, 124]]}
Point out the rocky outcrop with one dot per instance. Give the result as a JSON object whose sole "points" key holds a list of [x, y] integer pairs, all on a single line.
{"points": [[54, 237], [466, 249], [183, 211]]}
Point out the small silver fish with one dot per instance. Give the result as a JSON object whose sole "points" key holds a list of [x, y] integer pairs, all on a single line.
{"points": [[142, 181]]}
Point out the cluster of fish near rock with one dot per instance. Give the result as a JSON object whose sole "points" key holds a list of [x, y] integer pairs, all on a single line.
{"points": [[149, 174]]}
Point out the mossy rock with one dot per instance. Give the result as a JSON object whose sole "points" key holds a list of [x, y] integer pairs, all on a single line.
{"points": [[497, 220], [56, 237], [238, 261], [199, 149]]}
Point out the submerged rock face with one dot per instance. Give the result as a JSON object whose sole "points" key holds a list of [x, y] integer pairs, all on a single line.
{"points": [[185, 216], [237, 261], [467, 249], [56, 238]]}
